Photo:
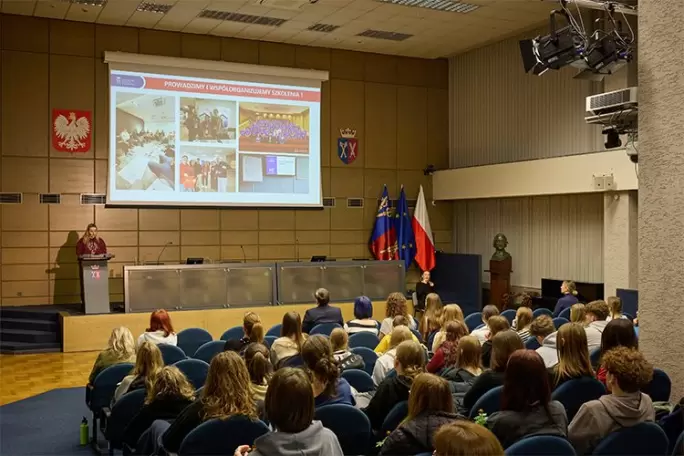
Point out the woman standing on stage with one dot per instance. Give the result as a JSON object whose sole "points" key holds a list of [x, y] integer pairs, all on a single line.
{"points": [[90, 243]]}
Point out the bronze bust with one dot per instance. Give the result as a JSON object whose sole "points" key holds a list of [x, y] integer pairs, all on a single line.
{"points": [[500, 242]]}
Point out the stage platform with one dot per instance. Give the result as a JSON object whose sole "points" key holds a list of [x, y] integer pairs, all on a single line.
{"points": [[91, 332]]}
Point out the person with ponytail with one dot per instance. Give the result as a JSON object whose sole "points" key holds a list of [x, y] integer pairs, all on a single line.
{"points": [[408, 363], [253, 334], [328, 387], [260, 369], [569, 292]]}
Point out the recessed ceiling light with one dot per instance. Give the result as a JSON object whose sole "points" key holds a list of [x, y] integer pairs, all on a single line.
{"points": [[89, 2], [439, 5], [151, 7]]}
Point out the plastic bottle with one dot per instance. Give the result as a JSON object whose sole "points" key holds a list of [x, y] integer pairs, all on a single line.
{"points": [[84, 431]]}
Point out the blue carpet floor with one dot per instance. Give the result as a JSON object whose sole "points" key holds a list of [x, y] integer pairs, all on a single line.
{"points": [[47, 424]]}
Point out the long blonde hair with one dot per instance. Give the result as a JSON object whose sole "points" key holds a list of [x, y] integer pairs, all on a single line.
{"points": [[396, 305], [121, 344], [523, 318], [227, 390], [170, 383], [573, 352], [148, 360], [429, 393], [433, 310], [615, 307], [411, 357], [451, 312], [578, 313], [469, 354], [399, 334], [85, 233], [254, 330]]}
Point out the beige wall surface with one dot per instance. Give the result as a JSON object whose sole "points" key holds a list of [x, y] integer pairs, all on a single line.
{"points": [[500, 114], [399, 107]]}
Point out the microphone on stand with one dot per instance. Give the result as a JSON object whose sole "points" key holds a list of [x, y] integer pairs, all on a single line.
{"points": [[244, 256], [162, 251]]}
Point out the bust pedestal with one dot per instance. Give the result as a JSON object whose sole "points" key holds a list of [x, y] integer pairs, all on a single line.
{"points": [[499, 281]]}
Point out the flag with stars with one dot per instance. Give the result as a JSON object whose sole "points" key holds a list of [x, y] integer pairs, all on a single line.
{"points": [[406, 242], [383, 241]]}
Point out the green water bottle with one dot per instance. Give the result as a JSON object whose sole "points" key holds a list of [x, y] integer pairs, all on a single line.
{"points": [[84, 431]]}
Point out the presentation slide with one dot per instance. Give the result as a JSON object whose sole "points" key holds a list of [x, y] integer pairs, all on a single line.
{"points": [[187, 141]]}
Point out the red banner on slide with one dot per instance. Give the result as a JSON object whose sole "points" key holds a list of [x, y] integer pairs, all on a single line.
{"points": [[236, 90]]}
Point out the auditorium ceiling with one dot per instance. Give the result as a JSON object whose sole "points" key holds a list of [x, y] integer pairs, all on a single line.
{"points": [[363, 25]]}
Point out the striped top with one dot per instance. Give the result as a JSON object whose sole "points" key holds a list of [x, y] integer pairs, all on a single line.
{"points": [[356, 326]]}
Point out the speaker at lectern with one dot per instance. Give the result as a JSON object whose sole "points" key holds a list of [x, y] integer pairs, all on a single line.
{"points": [[95, 282]]}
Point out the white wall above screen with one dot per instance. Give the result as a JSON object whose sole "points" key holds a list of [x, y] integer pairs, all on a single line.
{"points": [[186, 132]]}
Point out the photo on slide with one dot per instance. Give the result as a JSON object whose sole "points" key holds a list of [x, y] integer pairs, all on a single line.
{"points": [[274, 128], [207, 169], [205, 120], [261, 173], [145, 142]]}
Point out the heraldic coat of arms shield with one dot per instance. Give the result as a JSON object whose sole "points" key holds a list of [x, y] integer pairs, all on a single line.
{"points": [[71, 130], [347, 146]]}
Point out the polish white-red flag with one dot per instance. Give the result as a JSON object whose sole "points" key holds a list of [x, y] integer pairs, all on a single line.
{"points": [[425, 245]]}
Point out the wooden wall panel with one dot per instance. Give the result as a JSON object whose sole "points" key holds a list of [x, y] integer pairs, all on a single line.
{"points": [[396, 105]]}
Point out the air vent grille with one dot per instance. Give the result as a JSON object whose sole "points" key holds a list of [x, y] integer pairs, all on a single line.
{"points": [[328, 202], [324, 28], [383, 35], [354, 202], [89, 2], [11, 198], [50, 198], [151, 7], [242, 18], [93, 198], [439, 5], [610, 99]]}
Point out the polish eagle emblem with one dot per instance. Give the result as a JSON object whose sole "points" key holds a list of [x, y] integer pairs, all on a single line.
{"points": [[71, 132]]}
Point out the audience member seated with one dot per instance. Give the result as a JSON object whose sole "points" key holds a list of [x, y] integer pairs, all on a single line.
{"points": [[384, 343], [578, 313], [385, 363], [340, 344], [409, 362], [120, 349], [627, 373], [430, 406], [569, 292], [544, 330], [504, 344], [526, 405], [573, 355], [396, 305], [614, 308], [260, 369], [363, 317], [167, 397], [253, 334], [523, 320], [328, 387], [429, 322], [465, 438], [618, 333], [464, 365], [423, 288], [488, 312], [226, 393], [597, 312], [497, 324], [322, 313], [160, 330], [292, 419], [454, 330], [291, 338], [451, 312], [148, 362]]}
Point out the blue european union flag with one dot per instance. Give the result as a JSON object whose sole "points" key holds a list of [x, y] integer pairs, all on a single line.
{"points": [[406, 241]]}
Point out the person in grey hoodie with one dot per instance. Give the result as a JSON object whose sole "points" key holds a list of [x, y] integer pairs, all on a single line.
{"points": [[626, 406], [296, 434], [544, 330], [596, 320]]}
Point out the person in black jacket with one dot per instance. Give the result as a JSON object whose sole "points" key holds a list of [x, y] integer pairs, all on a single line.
{"points": [[409, 362], [503, 346], [322, 313], [423, 288], [430, 407], [168, 395], [226, 393]]}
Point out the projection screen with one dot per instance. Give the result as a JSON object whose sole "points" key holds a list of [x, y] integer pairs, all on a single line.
{"points": [[187, 132]]}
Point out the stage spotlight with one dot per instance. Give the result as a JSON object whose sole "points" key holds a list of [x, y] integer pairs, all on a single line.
{"points": [[612, 138]]}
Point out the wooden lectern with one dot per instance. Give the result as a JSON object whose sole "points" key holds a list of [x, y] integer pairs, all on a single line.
{"points": [[95, 283], [499, 281]]}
